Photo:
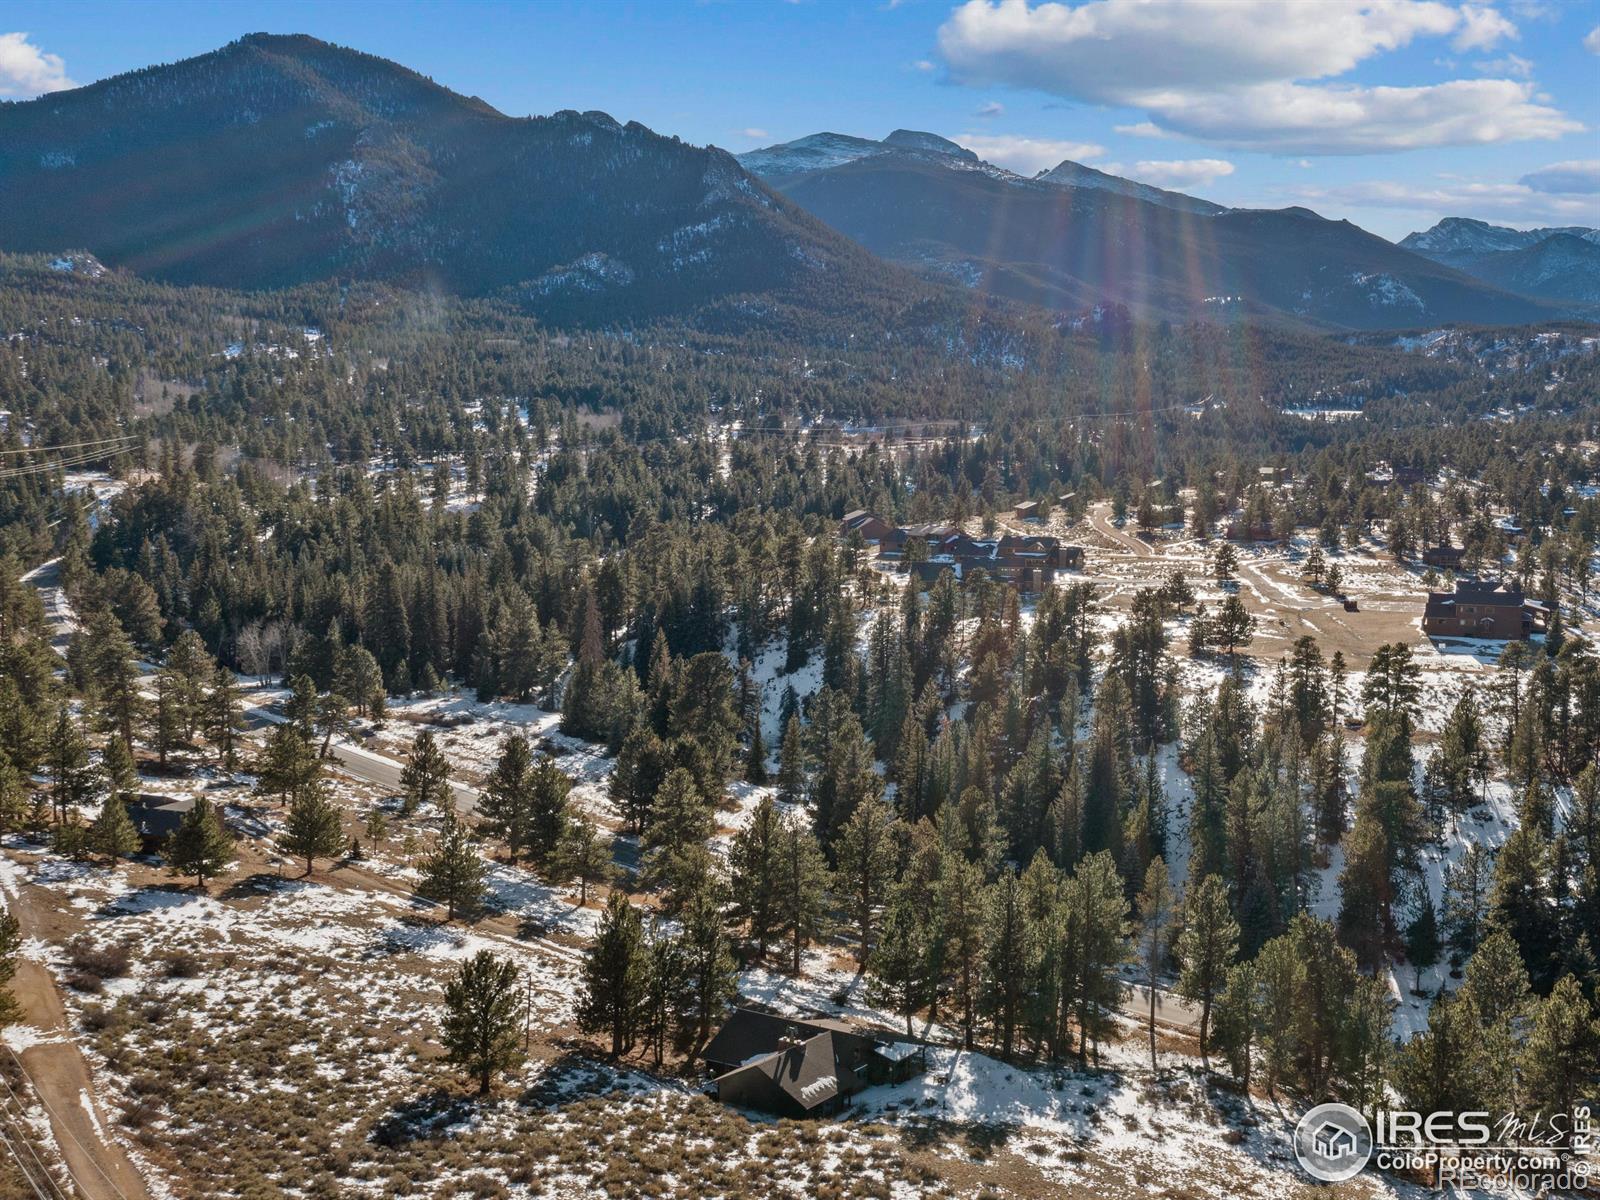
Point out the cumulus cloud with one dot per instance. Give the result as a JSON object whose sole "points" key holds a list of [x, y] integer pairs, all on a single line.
{"points": [[1591, 43], [1515, 203], [922, 64], [1482, 28], [992, 108], [27, 71], [1144, 129], [1506, 64], [1291, 118], [1174, 173], [1579, 177], [1026, 155], [1245, 73]]}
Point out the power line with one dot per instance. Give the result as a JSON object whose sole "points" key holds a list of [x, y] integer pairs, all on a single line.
{"points": [[22, 1166], [54, 1187], [121, 437], [67, 1129]]}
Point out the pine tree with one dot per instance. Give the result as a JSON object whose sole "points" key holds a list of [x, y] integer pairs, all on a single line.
{"points": [[287, 763], [961, 923], [792, 763], [112, 834], [117, 766], [1422, 939], [72, 777], [1010, 951], [312, 829], [753, 861], [507, 794], [897, 973], [707, 975], [584, 855], [1097, 930], [802, 888], [453, 873], [1207, 946], [663, 983], [866, 866], [673, 846], [1519, 902], [483, 1012], [1466, 902], [547, 808], [425, 779], [1155, 916], [1238, 1016], [615, 976], [1562, 1049], [200, 846]]}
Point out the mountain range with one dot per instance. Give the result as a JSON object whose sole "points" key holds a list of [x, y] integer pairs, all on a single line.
{"points": [[281, 159], [278, 160], [1074, 236], [1560, 263]]}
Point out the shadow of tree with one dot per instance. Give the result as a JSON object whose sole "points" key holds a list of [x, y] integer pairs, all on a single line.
{"points": [[421, 1118]]}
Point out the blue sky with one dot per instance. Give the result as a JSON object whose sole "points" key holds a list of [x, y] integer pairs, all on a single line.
{"points": [[1391, 113]]}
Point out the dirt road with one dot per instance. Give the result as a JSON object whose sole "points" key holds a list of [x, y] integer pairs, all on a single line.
{"points": [[63, 1085]]}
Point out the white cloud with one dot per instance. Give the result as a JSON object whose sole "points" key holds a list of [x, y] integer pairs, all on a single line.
{"points": [[922, 64], [1506, 64], [1577, 177], [1144, 129], [1482, 28], [1290, 118], [1591, 43], [1513, 203], [27, 71], [991, 108], [1236, 72], [756, 134], [1174, 173], [1025, 155]]}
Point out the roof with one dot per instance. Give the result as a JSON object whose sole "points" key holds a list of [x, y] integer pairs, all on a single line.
{"points": [[156, 815], [1489, 593], [749, 1033], [807, 1073]]}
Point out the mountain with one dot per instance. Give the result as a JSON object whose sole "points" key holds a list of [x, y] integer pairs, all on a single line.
{"points": [[1071, 174], [1560, 263], [1461, 239], [278, 160], [1085, 238]]}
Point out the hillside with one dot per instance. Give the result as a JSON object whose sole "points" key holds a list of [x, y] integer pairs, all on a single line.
{"points": [[279, 160], [1073, 246]]}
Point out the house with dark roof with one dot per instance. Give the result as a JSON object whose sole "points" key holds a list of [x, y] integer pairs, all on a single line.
{"points": [[157, 816], [803, 1067], [1482, 609], [1443, 556]]}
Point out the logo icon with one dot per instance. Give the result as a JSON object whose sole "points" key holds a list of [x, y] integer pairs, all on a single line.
{"points": [[1333, 1142]]}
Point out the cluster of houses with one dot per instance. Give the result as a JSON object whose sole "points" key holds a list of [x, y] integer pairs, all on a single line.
{"points": [[804, 1067], [1028, 562]]}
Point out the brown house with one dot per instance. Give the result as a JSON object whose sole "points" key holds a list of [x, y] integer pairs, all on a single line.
{"points": [[1446, 557], [1028, 511], [870, 526], [803, 1067], [1481, 609]]}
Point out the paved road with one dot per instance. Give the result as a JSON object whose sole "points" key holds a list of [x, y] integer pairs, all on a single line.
{"points": [[1172, 1010], [356, 760]]}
